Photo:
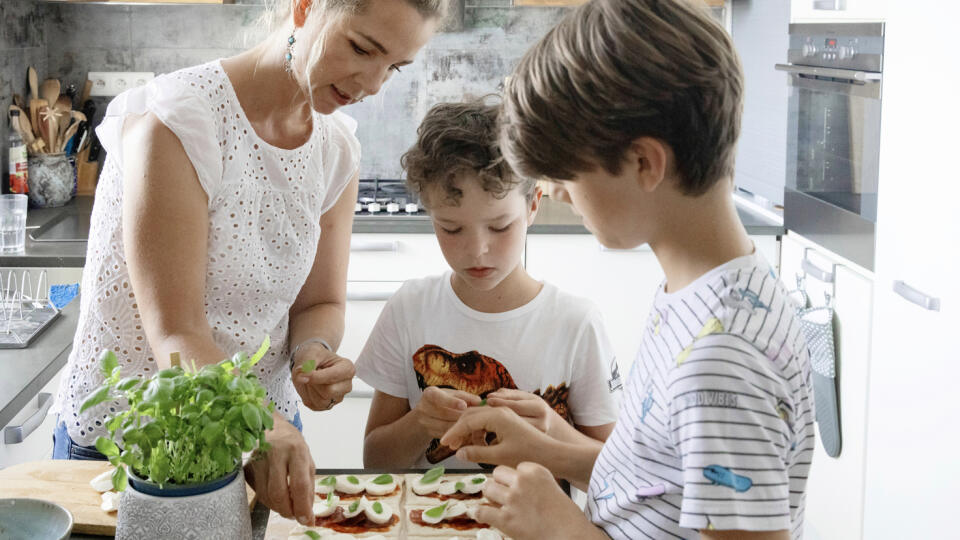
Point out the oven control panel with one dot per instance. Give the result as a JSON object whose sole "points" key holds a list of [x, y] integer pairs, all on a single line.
{"points": [[856, 46]]}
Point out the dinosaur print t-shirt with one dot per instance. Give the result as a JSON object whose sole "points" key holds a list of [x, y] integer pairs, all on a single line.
{"points": [[716, 425], [554, 346]]}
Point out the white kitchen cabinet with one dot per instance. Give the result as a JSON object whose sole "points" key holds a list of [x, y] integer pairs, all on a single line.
{"points": [[335, 437], [622, 283], [851, 10], [834, 500], [912, 466], [38, 444]]}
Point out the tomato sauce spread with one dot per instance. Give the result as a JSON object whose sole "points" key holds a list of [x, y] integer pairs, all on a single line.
{"points": [[357, 524], [462, 523], [355, 496]]}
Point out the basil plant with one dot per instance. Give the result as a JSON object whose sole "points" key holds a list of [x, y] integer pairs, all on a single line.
{"points": [[183, 426]]}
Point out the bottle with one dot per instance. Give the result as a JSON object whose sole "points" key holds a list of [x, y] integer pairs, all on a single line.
{"points": [[18, 156]]}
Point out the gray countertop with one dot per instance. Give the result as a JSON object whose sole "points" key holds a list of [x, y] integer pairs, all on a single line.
{"points": [[56, 236], [24, 372]]}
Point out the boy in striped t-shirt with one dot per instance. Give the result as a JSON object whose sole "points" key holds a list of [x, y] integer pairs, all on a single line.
{"points": [[715, 432]]}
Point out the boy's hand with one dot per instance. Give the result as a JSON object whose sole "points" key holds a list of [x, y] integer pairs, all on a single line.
{"points": [[439, 408], [327, 383], [528, 503], [517, 440], [531, 408]]}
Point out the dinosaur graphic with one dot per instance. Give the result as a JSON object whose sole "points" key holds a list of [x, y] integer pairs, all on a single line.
{"points": [[723, 476], [477, 374]]}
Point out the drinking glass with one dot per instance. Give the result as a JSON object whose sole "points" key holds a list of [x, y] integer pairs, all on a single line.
{"points": [[13, 223]]}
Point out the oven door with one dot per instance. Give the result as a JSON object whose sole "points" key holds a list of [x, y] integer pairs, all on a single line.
{"points": [[833, 145]]}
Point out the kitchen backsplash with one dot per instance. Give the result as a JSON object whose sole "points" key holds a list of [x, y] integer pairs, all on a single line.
{"points": [[469, 62]]}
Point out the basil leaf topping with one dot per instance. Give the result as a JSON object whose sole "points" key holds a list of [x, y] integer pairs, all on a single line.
{"points": [[353, 479], [383, 479], [432, 475], [459, 486], [312, 534], [378, 508], [329, 481], [353, 507], [436, 511]]}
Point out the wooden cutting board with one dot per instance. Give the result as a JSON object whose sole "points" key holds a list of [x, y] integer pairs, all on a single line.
{"points": [[67, 483]]}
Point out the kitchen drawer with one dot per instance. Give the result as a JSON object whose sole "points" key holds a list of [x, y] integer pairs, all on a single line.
{"points": [[394, 257], [38, 444]]}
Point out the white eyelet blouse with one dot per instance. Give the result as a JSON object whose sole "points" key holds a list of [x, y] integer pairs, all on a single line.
{"points": [[264, 208]]}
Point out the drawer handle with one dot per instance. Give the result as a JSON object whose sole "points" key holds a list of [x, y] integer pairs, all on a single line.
{"points": [[916, 297], [816, 271], [641, 247], [390, 246], [16, 434], [368, 296]]}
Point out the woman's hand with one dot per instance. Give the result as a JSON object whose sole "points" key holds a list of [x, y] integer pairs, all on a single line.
{"points": [[324, 386], [439, 408], [283, 475], [516, 439], [527, 503]]}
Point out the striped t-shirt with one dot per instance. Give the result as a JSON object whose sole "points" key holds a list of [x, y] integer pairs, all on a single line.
{"points": [[716, 423]]}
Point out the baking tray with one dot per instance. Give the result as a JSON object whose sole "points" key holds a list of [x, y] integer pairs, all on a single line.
{"points": [[19, 333]]}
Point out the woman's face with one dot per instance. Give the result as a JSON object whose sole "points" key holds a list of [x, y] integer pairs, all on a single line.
{"points": [[359, 51]]}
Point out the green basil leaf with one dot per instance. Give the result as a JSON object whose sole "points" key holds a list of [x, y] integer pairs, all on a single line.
{"points": [[108, 361], [377, 507], [210, 432], [353, 507], [329, 481], [432, 475], [483, 402], [312, 534], [353, 479], [264, 347], [308, 366], [107, 447], [459, 486], [383, 479], [479, 480], [251, 415], [102, 394], [127, 383], [436, 511], [119, 479]]}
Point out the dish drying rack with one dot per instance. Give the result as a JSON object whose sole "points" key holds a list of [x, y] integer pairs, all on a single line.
{"points": [[25, 312]]}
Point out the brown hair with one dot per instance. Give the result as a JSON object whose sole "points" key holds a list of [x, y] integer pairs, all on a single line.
{"points": [[458, 138], [613, 71]]}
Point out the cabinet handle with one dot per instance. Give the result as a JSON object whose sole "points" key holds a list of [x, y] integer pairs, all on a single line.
{"points": [[16, 434], [916, 297], [368, 296], [816, 271], [392, 246], [641, 247]]}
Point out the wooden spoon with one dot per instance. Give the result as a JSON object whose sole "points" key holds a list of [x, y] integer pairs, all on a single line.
{"points": [[35, 106], [85, 94], [65, 138], [26, 130], [50, 91], [63, 106], [32, 81]]}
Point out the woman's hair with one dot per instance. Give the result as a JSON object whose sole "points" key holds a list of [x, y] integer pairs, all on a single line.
{"points": [[613, 71], [457, 140]]}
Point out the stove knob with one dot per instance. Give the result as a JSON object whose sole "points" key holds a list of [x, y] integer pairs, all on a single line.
{"points": [[393, 208], [373, 207], [358, 208], [411, 208]]}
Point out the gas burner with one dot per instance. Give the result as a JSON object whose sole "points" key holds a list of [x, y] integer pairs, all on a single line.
{"points": [[386, 198]]}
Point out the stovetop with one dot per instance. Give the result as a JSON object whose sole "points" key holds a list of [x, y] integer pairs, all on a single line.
{"points": [[387, 198]]}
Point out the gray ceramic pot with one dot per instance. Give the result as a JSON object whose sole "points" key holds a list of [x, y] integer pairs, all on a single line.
{"points": [[217, 509]]}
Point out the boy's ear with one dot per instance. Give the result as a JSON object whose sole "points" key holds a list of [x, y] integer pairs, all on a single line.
{"points": [[650, 159], [534, 205]]}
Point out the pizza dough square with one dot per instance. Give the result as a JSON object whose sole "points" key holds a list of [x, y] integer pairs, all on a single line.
{"points": [[462, 529], [433, 499], [393, 498]]}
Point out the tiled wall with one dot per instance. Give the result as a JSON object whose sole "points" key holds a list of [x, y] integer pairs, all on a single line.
{"points": [[162, 38], [22, 44]]}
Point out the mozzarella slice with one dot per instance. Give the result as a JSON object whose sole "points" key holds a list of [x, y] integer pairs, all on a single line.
{"points": [[455, 510], [434, 517], [474, 484], [447, 488], [381, 517], [326, 507], [345, 485], [355, 508], [381, 489], [323, 488], [109, 501], [487, 534], [103, 482], [422, 489]]}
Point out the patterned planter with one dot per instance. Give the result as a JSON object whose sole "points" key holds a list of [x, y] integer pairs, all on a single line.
{"points": [[217, 509]]}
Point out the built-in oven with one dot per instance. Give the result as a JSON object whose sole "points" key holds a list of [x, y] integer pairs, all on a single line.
{"points": [[833, 138]]}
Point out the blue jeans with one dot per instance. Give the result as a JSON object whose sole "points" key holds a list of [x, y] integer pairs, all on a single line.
{"points": [[65, 448]]}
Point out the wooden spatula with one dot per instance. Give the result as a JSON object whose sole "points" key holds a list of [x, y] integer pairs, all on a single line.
{"points": [[50, 91], [32, 81]]}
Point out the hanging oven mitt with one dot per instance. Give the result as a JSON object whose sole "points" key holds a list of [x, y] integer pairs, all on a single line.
{"points": [[817, 324]]}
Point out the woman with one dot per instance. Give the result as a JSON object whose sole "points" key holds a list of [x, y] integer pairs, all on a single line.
{"points": [[206, 231]]}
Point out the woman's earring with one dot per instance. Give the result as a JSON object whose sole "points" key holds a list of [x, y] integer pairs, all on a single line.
{"points": [[288, 56]]}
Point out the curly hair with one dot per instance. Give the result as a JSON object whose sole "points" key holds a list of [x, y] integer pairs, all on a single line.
{"points": [[457, 139]]}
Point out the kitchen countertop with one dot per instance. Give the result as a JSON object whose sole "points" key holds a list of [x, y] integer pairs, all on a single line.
{"points": [[24, 372], [61, 231]]}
